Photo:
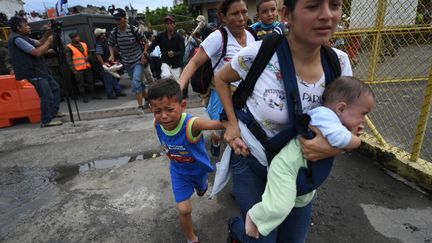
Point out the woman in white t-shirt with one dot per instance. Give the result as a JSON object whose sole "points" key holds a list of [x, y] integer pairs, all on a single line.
{"points": [[233, 14], [311, 24]]}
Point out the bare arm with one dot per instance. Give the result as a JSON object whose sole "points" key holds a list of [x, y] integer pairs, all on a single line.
{"points": [[201, 124], [45, 36], [112, 53], [354, 143], [99, 58], [199, 59], [223, 78], [42, 48], [318, 148]]}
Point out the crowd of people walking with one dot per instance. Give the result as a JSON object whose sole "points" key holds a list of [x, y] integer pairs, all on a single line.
{"points": [[265, 79]]}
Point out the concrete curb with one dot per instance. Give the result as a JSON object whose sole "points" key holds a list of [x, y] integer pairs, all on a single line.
{"points": [[398, 161], [114, 112]]}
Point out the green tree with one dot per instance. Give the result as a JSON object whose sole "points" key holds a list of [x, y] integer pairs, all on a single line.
{"points": [[183, 14]]}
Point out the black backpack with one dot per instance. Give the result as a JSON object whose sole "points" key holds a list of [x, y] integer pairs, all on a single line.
{"points": [[201, 79]]}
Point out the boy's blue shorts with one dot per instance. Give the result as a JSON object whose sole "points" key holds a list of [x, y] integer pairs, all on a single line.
{"points": [[214, 107], [183, 185]]}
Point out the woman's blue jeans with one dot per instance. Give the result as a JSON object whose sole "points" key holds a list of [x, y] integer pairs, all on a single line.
{"points": [[249, 181]]}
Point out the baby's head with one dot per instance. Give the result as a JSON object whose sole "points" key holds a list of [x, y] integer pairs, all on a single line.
{"points": [[351, 100], [166, 103], [267, 11]]}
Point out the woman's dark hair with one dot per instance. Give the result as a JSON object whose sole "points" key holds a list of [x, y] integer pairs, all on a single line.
{"points": [[15, 22], [290, 4], [165, 88], [347, 89], [224, 6]]}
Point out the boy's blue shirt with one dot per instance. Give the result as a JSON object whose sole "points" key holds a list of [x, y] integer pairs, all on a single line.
{"points": [[187, 153], [262, 29]]}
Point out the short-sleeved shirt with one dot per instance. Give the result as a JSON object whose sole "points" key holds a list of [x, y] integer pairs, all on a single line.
{"points": [[130, 48], [262, 29], [268, 100], [212, 45], [24, 45]]}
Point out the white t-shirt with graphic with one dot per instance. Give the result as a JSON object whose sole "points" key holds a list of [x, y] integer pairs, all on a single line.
{"points": [[268, 100], [212, 45]]}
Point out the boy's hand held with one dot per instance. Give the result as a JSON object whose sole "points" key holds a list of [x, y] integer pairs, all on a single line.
{"points": [[250, 228]]}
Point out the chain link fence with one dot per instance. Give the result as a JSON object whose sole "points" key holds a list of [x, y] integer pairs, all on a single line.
{"points": [[390, 45]]}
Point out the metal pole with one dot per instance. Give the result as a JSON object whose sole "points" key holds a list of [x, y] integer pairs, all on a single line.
{"points": [[375, 132], [382, 6], [423, 119]]}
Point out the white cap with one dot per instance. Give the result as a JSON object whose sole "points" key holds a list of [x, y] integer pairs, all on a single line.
{"points": [[98, 32], [200, 18]]}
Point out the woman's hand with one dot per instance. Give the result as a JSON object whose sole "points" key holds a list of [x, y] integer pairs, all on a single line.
{"points": [[233, 138], [317, 148], [250, 228]]}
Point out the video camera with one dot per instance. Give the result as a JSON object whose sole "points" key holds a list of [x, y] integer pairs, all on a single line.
{"points": [[56, 25]]}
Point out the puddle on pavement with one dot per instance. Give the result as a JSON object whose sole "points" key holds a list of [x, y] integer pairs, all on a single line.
{"points": [[113, 162], [22, 191], [26, 190], [66, 173]]}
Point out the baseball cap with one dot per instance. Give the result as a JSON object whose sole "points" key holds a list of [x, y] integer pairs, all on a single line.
{"points": [[120, 13], [169, 17], [98, 32], [73, 34], [200, 18]]}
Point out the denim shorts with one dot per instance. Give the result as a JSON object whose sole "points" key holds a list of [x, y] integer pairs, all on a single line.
{"points": [[214, 107], [135, 71], [183, 186]]}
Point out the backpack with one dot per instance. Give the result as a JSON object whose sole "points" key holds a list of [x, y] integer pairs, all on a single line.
{"points": [[271, 44], [201, 79], [310, 178], [135, 34]]}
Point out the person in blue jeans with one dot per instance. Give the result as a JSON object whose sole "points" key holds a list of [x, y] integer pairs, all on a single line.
{"points": [[112, 87], [132, 46], [347, 101], [310, 24], [27, 63]]}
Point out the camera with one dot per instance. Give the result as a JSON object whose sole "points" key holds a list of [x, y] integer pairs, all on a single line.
{"points": [[56, 25]]}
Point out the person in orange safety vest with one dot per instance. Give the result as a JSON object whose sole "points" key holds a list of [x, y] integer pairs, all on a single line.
{"points": [[79, 62]]}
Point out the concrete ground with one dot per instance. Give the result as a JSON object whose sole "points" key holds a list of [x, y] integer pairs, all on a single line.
{"points": [[102, 180]]}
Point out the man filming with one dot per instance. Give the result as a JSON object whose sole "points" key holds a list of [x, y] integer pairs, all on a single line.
{"points": [[26, 60]]}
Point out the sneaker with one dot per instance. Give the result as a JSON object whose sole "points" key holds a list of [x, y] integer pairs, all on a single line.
{"points": [[114, 74], [111, 97], [60, 114], [96, 97], [116, 67], [229, 238], [140, 110], [51, 123], [201, 193], [146, 104], [121, 94], [215, 150]]}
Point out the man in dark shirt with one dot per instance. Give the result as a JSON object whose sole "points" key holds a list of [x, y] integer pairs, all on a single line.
{"points": [[172, 48], [26, 60]]}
